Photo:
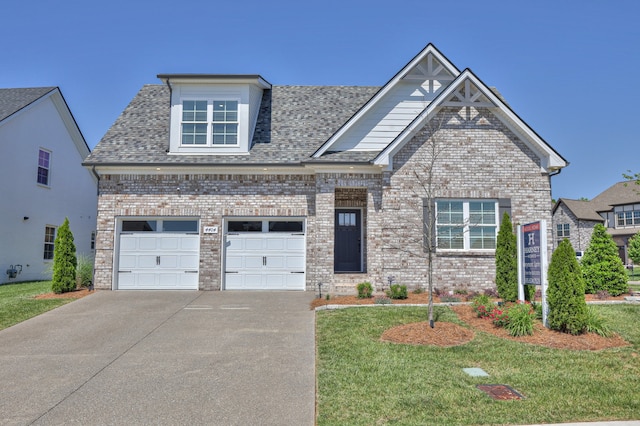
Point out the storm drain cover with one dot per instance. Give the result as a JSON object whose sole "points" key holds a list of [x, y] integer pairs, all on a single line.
{"points": [[475, 372], [500, 392]]}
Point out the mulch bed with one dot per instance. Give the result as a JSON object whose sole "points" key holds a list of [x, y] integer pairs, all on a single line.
{"points": [[448, 334], [75, 294]]}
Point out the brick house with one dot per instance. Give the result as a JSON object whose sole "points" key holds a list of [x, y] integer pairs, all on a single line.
{"points": [[225, 182], [617, 208]]}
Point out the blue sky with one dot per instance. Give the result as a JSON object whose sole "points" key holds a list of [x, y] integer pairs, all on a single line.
{"points": [[566, 67]]}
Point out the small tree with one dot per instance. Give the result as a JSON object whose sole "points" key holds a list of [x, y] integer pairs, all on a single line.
{"points": [[565, 294], [634, 248], [507, 261], [64, 260], [602, 268]]}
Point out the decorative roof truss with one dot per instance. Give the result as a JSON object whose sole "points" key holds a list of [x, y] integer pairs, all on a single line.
{"points": [[431, 70], [468, 95]]}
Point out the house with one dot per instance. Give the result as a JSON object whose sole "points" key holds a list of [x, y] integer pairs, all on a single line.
{"points": [[227, 182], [42, 182], [617, 208]]}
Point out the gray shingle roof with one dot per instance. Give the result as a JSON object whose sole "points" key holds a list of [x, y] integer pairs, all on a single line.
{"points": [[13, 100], [617, 194], [293, 122]]}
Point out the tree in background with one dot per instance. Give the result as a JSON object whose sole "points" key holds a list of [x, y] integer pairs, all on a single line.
{"points": [[565, 294], [634, 249], [507, 261], [602, 268], [64, 260]]}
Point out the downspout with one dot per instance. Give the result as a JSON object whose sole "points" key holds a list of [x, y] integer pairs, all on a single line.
{"points": [[93, 170], [170, 96]]}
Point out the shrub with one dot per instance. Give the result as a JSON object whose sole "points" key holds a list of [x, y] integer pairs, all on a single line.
{"points": [[64, 260], [530, 292], [365, 290], [602, 268], [84, 271], [565, 294], [596, 323], [507, 261], [418, 290], [397, 291], [602, 294], [520, 319], [481, 305]]}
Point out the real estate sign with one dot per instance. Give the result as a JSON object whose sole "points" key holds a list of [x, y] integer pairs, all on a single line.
{"points": [[532, 260], [531, 253]]}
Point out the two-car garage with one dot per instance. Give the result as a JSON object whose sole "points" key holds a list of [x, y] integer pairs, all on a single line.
{"points": [[257, 254]]}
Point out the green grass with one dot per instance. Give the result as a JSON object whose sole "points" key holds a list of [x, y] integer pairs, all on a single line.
{"points": [[363, 381], [634, 275], [17, 303]]}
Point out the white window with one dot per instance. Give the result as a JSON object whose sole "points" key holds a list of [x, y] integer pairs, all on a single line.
{"points": [[466, 224], [209, 122], [44, 166], [629, 218], [562, 231], [49, 239]]}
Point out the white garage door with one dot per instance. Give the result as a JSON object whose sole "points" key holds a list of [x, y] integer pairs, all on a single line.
{"points": [[265, 261], [158, 261]]}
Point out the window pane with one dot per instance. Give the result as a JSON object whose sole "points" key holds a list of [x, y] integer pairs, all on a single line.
{"points": [[636, 217], [277, 226], [43, 176], [482, 213], [450, 237], [139, 226], [482, 237], [180, 226], [49, 239], [245, 226]]}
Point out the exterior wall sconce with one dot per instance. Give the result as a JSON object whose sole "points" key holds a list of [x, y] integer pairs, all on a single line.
{"points": [[25, 218]]}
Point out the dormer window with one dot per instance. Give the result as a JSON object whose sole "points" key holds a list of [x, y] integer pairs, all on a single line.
{"points": [[213, 114], [209, 123]]}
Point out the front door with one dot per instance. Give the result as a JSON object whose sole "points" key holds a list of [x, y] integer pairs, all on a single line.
{"points": [[348, 241]]}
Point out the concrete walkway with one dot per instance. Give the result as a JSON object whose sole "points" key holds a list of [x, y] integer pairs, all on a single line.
{"points": [[172, 357]]}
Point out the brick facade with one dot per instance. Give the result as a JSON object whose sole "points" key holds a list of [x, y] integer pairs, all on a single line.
{"points": [[480, 159]]}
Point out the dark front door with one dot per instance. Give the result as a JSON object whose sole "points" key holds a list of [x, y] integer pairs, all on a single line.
{"points": [[348, 244]]}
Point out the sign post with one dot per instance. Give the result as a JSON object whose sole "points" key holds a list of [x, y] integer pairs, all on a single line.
{"points": [[532, 260]]}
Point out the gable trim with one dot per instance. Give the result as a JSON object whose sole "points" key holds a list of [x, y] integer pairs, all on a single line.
{"points": [[551, 160], [429, 49]]}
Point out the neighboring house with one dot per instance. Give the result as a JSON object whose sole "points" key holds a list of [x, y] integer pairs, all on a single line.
{"points": [[42, 181], [228, 182], [617, 208]]}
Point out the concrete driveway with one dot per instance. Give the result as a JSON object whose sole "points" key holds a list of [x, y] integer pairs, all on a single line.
{"points": [[172, 357]]}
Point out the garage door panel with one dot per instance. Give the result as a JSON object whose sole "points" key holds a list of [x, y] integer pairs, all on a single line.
{"points": [[168, 261], [277, 243], [170, 243], [189, 261], [253, 244], [147, 242], [274, 262], [295, 262], [295, 244]]}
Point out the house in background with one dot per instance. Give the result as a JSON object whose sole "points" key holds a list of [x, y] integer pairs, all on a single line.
{"points": [[227, 182], [617, 208], [42, 181]]}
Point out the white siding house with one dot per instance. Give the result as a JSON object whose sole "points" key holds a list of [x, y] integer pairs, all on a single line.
{"points": [[42, 181]]}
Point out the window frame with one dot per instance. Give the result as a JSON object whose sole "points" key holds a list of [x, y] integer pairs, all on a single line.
{"points": [[462, 239], [563, 230], [211, 122], [42, 167], [49, 242]]}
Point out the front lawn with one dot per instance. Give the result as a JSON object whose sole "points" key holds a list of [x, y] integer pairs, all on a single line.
{"points": [[17, 302], [363, 381]]}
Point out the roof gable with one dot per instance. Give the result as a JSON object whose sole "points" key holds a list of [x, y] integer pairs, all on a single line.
{"points": [[467, 90], [17, 101], [395, 105], [13, 100], [582, 210]]}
